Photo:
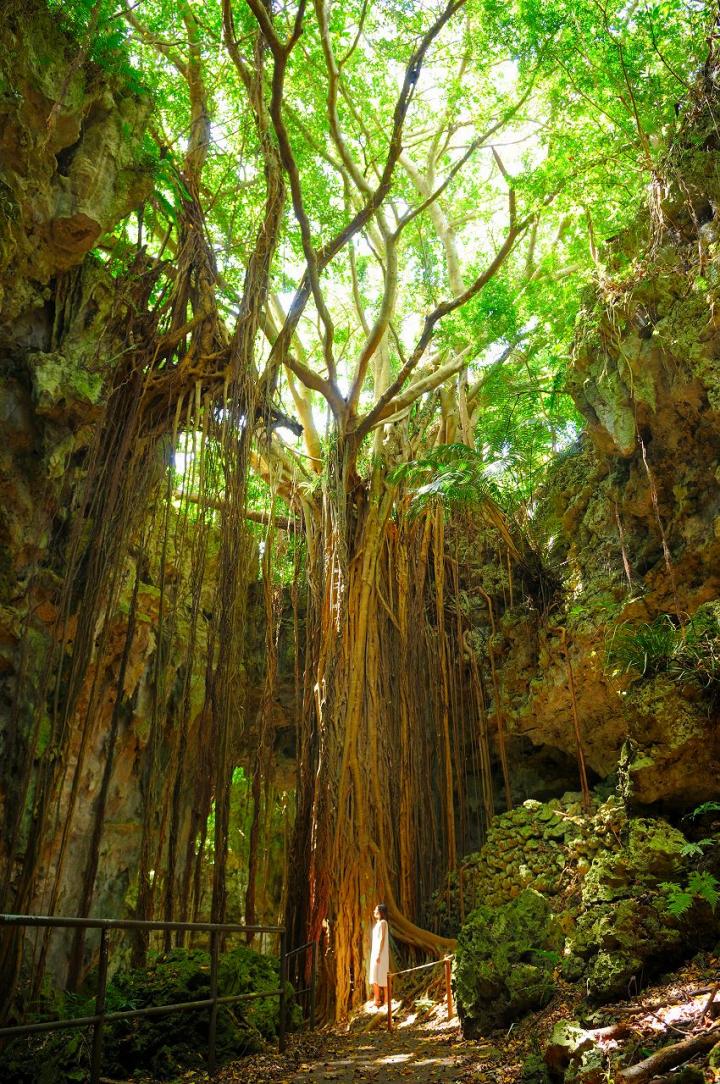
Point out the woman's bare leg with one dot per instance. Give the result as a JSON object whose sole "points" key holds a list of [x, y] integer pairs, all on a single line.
{"points": [[376, 995]]}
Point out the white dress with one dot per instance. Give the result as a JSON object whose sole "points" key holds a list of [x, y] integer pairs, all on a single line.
{"points": [[380, 950]]}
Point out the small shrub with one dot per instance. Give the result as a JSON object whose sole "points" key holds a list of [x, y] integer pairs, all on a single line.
{"points": [[645, 649], [689, 654], [159, 1045]]}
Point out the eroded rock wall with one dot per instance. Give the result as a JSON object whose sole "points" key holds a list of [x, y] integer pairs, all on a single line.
{"points": [[629, 520], [134, 761], [71, 163], [71, 167]]}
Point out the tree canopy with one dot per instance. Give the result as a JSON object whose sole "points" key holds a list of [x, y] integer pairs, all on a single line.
{"points": [[448, 174]]}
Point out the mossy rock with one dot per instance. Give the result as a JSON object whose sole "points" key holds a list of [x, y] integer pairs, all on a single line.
{"points": [[504, 962], [655, 849], [625, 929], [534, 1071], [714, 1058], [592, 1068], [62, 387], [612, 975]]}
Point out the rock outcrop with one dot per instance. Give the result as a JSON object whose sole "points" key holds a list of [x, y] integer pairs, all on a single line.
{"points": [[71, 163], [608, 879], [127, 775], [504, 962], [628, 522]]}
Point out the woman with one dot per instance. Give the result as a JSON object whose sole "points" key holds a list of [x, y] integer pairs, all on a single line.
{"points": [[379, 955]]}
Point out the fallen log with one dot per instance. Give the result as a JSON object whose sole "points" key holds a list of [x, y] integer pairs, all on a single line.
{"points": [[669, 1057]]}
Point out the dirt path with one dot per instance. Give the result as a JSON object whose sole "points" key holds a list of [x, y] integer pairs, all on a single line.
{"points": [[428, 1052]]}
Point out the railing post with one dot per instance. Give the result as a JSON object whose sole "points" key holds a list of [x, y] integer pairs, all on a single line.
{"points": [[448, 989], [313, 983], [97, 1043], [212, 1030], [389, 999], [283, 999]]}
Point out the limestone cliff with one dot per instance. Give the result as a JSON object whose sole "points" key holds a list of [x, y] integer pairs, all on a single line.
{"points": [[71, 164], [629, 520], [122, 783]]}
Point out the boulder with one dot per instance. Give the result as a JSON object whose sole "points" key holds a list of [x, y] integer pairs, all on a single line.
{"points": [[625, 930], [504, 962]]}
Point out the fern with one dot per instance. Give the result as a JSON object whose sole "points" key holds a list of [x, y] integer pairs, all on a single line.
{"points": [[454, 474], [679, 900], [689, 654], [696, 850], [705, 886], [700, 886]]}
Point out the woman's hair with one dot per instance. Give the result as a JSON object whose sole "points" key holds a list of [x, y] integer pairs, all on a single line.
{"points": [[382, 909]]}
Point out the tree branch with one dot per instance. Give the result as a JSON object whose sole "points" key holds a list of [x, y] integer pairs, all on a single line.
{"points": [[444, 309], [330, 250]]}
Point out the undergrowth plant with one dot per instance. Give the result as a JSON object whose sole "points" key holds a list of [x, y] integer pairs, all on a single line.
{"points": [[689, 654], [702, 885]]}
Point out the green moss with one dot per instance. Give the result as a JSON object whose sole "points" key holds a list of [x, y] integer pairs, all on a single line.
{"points": [[59, 382], [625, 931], [534, 1071], [504, 962]]}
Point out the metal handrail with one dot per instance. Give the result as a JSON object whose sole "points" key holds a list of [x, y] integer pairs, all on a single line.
{"points": [[100, 1017], [313, 945], [447, 960]]}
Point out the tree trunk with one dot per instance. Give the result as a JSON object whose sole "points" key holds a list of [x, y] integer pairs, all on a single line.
{"points": [[366, 806]]}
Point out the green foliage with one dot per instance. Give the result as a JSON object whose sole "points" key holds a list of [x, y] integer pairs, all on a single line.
{"points": [[277, 813], [451, 474], [696, 850], [162, 1045], [689, 654], [679, 900], [96, 28], [703, 809], [583, 96], [701, 886], [645, 649]]}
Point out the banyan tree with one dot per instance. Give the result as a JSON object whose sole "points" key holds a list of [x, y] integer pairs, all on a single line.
{"points": [[355, 243]]}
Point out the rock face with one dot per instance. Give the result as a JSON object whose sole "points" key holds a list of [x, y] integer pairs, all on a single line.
{"points": [[625, 930], [629, 519], [504, 962], [607, 880], [71, 166], [71, 161], [130, 776], [540, 846]]}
